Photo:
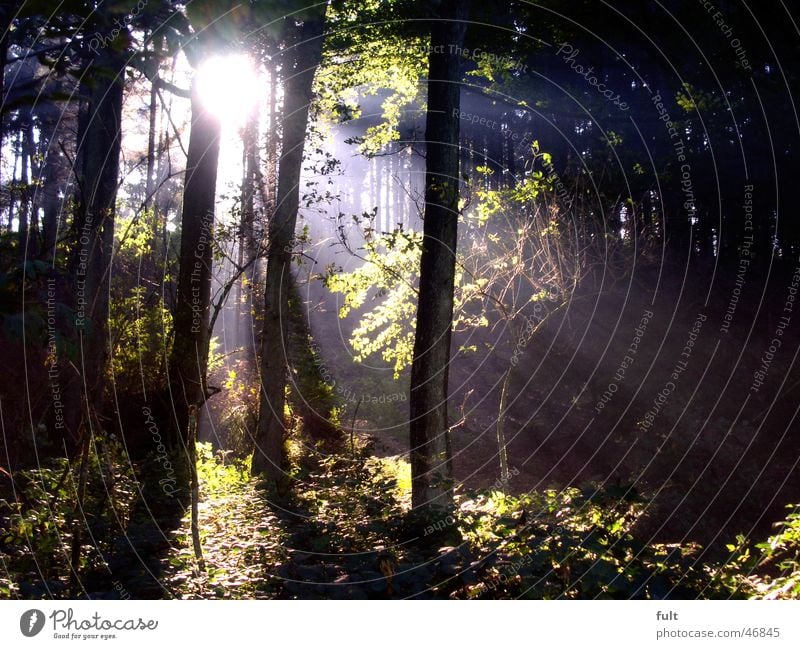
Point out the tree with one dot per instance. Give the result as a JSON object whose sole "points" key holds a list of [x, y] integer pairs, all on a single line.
{"points": [[99, 151], [99, 146], [302, 58], [188, 361], [429, 426], [189, 356]]}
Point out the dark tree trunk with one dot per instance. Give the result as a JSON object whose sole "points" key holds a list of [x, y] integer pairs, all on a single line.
{"points": [[297, 91], [99, 149], [11, 197], [56, 128], [27, 146], [429, 427], [153, 143], [189, 357], [51, 183]]}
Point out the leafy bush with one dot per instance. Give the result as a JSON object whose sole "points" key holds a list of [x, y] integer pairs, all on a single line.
{"points": [[141, 326], [219, 475], [572, 544], [237, 411], [767, 570], [783, 552], [40, 515]]}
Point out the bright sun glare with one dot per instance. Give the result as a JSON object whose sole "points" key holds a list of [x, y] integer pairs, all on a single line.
{"points": [[229, 86]]}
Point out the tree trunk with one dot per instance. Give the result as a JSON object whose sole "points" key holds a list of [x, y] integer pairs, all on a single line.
{"points": [[195, 490], [272, 141], [247, 242], [5, 23], [297, 91], [431, 479], [98, 177], [151, 144], [501, 421], [189, 357], [11, 197], [26, 134], [52, 175]]}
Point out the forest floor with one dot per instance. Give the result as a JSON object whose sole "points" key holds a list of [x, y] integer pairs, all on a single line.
{"points": [[326, 538], [343, 530], [340, 527]]}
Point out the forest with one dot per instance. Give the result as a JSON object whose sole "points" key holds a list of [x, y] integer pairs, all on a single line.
{"points": [[399, 299]]}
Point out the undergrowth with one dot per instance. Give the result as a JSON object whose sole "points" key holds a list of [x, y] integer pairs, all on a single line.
{"points": [[341, 527], [40, 513], [344, 528], [766, 570]]}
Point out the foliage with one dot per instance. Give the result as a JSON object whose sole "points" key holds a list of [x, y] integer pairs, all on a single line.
{"points": [[312, 386], [239, 411], [769, 569], [34, 533], [38, 520], [390, 268], [782, 552], [219, 476], [518, 257], [574, 544], [350, 533], [362, 61], [28, 282], [140, 324], [237, 531]]}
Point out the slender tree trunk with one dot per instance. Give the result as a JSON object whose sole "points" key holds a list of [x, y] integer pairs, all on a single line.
{"points": [[26, 133], [297, 92], [272, 141], [247, 243], [501, 421], [51, 205], [11, 196], [5, 23], [189, 356], [195, 490], [378, 194], [267, 187], [151, 144], [163, 168], [241, 282], [32, 151], [431, 481]]}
